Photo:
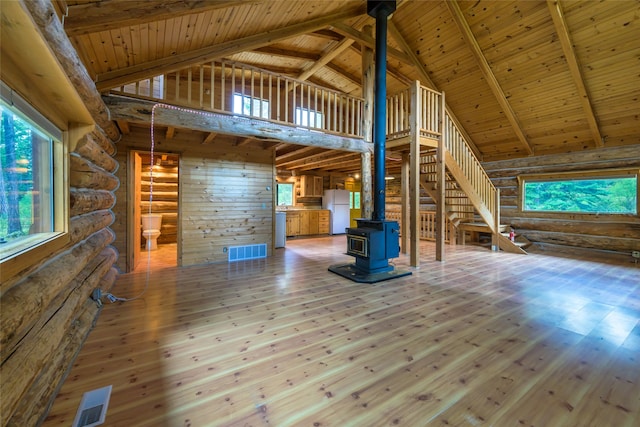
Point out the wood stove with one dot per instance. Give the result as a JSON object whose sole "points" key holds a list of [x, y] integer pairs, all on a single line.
{"points": [[372, 243], [375, 240]]}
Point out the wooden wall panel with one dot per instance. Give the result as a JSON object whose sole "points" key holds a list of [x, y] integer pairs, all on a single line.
{"points": [[225, 195]]}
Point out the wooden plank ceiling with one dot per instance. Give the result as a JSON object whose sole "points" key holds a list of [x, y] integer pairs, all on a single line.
{"points": [[523, 78]]}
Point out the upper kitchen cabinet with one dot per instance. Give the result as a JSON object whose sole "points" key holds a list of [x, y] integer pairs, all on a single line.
{"points": [[311, 186]]}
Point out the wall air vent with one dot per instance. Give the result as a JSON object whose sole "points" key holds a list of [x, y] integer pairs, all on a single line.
{"points": [[93, 408], [241, 253]]}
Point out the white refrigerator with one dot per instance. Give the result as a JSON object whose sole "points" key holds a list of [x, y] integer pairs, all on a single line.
{"points": [[337, 201]]}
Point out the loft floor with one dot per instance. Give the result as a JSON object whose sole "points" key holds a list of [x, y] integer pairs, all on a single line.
{"points": [[483, 339]]}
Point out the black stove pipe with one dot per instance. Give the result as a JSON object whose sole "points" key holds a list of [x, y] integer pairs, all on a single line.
{"points": [[381, 10]]}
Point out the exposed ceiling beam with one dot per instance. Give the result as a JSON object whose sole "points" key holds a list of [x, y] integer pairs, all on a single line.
{"points": [[574, 67], [294, 156], [170, 132], [356, 80], [369, 41], [287, 53], [209, 138], [323, 155], [472, 44], [344, 157], [424, 76], [243, 141], [124, 126], [326, 58], [111, 14], [171, 63]]}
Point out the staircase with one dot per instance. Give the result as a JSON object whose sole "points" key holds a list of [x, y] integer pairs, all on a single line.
{"points": [[471, 200]]}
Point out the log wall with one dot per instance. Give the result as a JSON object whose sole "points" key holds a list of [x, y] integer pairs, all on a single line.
{"points": [[619, 234], [47, 310], [225, 194], [47, 314]]}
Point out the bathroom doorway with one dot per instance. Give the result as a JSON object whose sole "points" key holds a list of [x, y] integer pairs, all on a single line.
{"points": [[155, 248]]}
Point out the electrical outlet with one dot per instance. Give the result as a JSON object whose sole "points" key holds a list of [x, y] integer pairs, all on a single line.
{"points": [[224, 250], [635, 254]]}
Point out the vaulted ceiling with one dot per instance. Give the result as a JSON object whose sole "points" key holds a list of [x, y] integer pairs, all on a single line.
{"points": [[522, 77]]}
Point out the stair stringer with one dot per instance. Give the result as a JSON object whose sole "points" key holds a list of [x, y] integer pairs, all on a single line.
{"points": [[504, 243]]}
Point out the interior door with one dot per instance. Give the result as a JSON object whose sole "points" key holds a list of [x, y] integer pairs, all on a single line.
{"points": [[134, 188]]}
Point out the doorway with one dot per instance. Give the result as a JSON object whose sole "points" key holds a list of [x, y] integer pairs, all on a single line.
{"points": [[154, 190]]}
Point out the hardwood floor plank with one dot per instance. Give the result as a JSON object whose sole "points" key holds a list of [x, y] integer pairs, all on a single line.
{"points": [[480, 339]]}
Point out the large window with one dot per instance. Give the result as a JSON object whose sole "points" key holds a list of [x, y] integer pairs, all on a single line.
{"points": [[248, 106], [31, 196], [604, 192], [285, 194], [308, 118]]}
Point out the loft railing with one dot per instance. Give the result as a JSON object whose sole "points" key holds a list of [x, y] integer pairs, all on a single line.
{"points": [[239, 89]]}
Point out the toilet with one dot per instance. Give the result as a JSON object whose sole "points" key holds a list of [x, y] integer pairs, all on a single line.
{"points": [[151, 224]]}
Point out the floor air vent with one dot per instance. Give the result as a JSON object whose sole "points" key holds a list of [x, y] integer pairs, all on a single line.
{"points": [[240, 253], [93, 408]]}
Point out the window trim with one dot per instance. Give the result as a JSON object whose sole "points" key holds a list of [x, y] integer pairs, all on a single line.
{"points": [[293, 194], [32, 250], [575, 175]]}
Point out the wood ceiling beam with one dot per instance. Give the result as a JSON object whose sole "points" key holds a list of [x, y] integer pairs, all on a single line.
{"points": [[287, 53], [243, 141], [574, 67], [369, 41], [209, 138], [415, 61], [326, 58], [472, 44], [294, 156], [112, 14], [349, 157], [124, 127], [313, 158], [356, 80], [170, 132], [168, 64]]}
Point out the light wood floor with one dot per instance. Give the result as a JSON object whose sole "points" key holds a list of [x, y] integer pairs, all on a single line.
{"points": [[483, 339]]}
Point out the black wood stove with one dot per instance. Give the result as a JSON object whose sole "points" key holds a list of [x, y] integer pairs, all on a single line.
{"points": [[375, 240]]}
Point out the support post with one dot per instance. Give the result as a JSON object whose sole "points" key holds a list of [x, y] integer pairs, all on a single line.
{"points": [[495, 238], [405, 218], [367, 125], [414, 173], [441, 183]]}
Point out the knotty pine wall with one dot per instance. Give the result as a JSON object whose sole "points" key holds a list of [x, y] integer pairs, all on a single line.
{"points": [[223, 197], [617, 233]]}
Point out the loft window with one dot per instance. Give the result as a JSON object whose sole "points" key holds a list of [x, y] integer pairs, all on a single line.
{"points": [[248, 106], [602, 192], [285, 194], [308, 118], [33, 201]]}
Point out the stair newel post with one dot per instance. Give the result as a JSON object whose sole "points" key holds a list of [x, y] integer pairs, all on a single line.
{"points": [[441, 182], [405, 217], [495, 237], [414, 175]]}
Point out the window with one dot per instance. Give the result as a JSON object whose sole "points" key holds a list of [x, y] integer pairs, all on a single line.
{"points": [[285, 195], [32, 198], [308, 118], [248, 106], [603, 192]]}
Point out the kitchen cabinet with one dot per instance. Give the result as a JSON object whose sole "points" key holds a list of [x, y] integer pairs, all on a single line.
{"points": [[293, 223], [307, 222], [311, 186]]}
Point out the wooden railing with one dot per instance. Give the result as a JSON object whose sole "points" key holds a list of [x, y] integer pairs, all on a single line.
{"points": [[242, 90], [457, 146], [427, 223]]}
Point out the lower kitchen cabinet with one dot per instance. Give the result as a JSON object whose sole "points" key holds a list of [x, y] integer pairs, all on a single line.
{"points": [[307, 222]]}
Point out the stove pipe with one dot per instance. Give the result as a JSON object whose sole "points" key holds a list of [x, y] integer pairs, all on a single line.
{"points": [[381, 10]]}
